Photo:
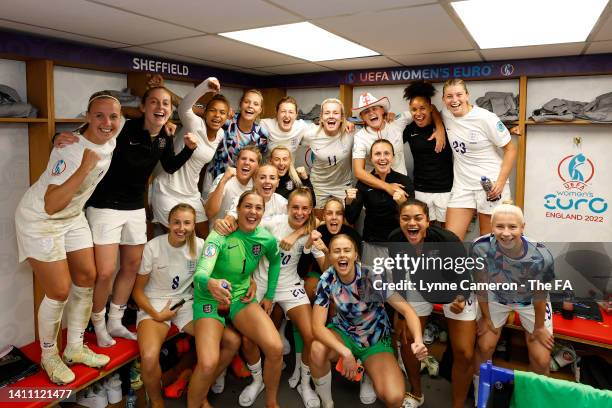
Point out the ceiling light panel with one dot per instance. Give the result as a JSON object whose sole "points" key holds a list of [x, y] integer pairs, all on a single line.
{"points": [[499, 23], [301, 40]]}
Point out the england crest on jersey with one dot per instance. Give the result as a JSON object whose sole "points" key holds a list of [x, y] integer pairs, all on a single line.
{"points": [[256, 249]]}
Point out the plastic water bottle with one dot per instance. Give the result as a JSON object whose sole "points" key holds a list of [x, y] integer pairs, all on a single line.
{"points": [[567, 307], [487, 186], [131, 399], [223, 309]]}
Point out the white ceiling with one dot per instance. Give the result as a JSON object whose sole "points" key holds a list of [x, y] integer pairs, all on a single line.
{"points": [[404, 32]]}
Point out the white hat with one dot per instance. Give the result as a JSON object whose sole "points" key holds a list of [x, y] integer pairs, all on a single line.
{"points": [[367, 100]]}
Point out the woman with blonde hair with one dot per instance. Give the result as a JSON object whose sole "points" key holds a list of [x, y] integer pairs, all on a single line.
{"points": [[53, 234], [290, 177], [476, 137], [164, 294], [330, 146], [511, 257]]}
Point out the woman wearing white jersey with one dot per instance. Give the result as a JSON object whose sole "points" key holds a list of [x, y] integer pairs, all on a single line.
{"points": [[52, 233], [476, 137], [330, 148], [164, 294], [374, 113], [265, 182], [229, 185], [182, 185], [285, 129]]}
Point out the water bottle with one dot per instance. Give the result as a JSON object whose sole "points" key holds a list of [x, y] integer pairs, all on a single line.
{"points": [[131, 399], [223, 309], [487, 186], [567, 307]]}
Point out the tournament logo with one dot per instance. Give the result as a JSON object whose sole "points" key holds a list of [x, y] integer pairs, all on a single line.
{"points": [[507, 69], [256, 249], [58, 168], [576, 201], [500, 126], [309, 158], [210, 251], [575, 171]]}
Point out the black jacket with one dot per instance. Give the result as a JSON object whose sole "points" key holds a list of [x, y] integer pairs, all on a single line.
{"points": [[381, 209], [134, 159]]}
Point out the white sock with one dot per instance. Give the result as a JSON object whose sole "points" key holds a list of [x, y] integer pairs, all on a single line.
{"points": [[78, 311], [305, 371], [476, 381], [219, 384], [323, 387], [249, 394], [49, 322], [309, 396], [295, 377], [256, 371], [99, 322], [114, 326], [286, 344]]}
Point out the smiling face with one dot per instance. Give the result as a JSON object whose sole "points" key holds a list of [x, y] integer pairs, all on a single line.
{"points": [[281, 159], [508, 229], [103, 119], [343, 254], [250, 106], [266, 181], [333, 214], [420, 109], [250, 211], [246, 166], [414, 223], [381, 157], [180, 226], [157, 109], [286, 115], [331, 118], [456, 100], [299, 209], [215, 116], [374, 117]]}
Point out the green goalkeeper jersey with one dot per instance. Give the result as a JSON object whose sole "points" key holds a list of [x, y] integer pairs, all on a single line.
{"points": [[234, 258]]}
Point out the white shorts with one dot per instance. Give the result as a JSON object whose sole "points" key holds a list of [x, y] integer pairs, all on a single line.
{"points": [[125, 227], [183, 317], [206, 185], [499, 314], [163, 203], [476, 199], [51, 248], [287, 297], [437, 203], [322, 195], [469, 312]]}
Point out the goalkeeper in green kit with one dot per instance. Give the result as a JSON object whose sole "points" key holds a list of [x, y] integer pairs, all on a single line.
{"points": [[221, 281]]}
